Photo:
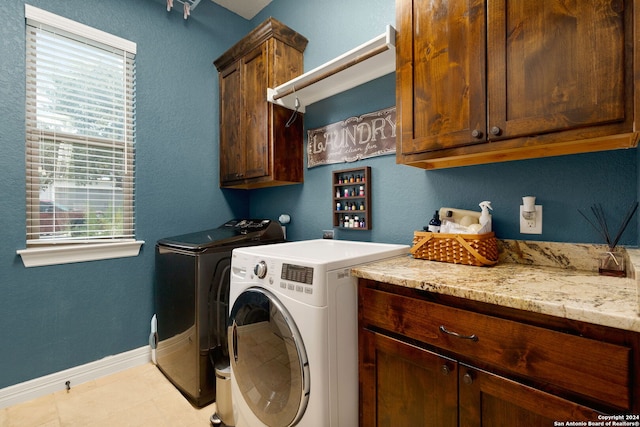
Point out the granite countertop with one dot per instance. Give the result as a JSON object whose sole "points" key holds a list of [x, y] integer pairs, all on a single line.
{"points": [[557, 279]]}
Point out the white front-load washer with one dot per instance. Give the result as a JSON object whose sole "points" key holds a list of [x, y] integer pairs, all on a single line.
{"points": [[293, 332]]}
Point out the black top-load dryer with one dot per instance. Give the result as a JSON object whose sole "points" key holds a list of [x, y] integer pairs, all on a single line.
{"points": [[192, 301]]}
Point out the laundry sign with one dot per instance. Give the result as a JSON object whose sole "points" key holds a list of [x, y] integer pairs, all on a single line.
{"points": [[370, 135]]}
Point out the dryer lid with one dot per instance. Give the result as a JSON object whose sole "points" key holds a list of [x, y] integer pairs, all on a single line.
{"points": [[230, 233]]}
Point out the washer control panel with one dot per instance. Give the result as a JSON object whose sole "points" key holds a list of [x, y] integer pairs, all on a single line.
{"points": [[297, 273]]}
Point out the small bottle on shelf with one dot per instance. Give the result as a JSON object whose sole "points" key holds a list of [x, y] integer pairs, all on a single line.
{"points": [[435, 223]]}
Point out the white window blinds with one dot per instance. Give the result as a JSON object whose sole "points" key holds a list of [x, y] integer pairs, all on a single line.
{"points": [[80, 132]]}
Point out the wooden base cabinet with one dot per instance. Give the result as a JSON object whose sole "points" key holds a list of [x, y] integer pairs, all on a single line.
{"points": [[259, 145], [404, 385], [430, 360], [490, 400]]}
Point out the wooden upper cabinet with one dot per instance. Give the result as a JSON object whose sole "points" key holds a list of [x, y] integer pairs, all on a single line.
{"points": [[255, 113], [554, 66], [257, 149], [481, 82], [232, 162], [440, 75]]}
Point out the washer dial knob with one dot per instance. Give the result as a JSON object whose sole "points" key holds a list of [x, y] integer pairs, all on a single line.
{"points": [[260, 269]]}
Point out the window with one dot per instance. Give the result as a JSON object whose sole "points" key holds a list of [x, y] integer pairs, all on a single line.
{"points": [[80, 134]]}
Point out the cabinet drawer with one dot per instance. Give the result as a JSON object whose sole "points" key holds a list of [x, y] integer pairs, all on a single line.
{"points": [[594, 369]]}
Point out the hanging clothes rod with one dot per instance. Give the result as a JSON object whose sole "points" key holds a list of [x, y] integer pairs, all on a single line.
{"points": [[370, 60], [332, 72]]}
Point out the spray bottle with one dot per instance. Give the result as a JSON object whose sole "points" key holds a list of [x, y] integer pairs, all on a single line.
{"points": [[485, 216]]}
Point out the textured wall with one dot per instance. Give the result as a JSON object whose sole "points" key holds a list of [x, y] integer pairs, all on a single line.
{"points": [[53, 318], [404, 198]]}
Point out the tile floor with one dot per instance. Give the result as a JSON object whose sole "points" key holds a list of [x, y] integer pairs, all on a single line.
{"points": [[137, 397]]}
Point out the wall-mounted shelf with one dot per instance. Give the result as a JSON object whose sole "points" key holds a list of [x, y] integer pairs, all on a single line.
{"points": [[366, 62], [352, 198]]}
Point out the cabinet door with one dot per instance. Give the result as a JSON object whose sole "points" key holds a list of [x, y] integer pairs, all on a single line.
{"points": [[440, 87], [405, 386], [492, 401], [255, 112], [556, 65], [232, 164]]}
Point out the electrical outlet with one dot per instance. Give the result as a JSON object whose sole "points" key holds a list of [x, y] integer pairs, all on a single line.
{"points": [[531, 226], [327, 234]]}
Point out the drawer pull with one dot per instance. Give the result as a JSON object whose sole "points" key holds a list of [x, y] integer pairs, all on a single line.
{"points": [[445, 370], [472, 337]]}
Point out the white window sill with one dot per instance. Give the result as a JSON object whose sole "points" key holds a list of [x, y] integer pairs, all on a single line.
{"points": [[52, 255]]}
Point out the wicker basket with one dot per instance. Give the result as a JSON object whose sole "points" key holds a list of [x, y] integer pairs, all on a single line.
{"points": [[469, 249]]}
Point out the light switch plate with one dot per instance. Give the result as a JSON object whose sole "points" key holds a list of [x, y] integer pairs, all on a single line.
{"points": [[531, 226]]}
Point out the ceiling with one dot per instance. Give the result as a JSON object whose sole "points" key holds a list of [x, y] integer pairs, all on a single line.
{"points": [[245, 8]]}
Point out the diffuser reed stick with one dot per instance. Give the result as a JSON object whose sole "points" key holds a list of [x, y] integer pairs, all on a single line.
{"points": [[611, 263], [601, 226]]}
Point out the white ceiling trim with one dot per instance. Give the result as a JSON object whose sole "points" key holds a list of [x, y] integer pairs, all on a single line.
{"points": [[245, 8]]}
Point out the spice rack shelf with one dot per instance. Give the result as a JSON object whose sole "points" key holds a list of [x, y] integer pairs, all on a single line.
{"points": [[352, 198]]}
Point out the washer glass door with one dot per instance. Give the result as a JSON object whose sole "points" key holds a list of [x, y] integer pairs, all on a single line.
{"points": [[268, 358]]}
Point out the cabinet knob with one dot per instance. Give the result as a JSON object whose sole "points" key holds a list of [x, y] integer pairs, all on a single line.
{"points": [[445, 370], [476, 134], [467, 379], [496, 130]]}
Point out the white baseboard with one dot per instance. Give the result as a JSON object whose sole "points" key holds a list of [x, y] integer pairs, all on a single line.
{"points": [[48, 384]]}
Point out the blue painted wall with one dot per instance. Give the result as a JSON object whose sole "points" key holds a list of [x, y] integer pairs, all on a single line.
{"points": [[53, 318], [404, 198]]}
